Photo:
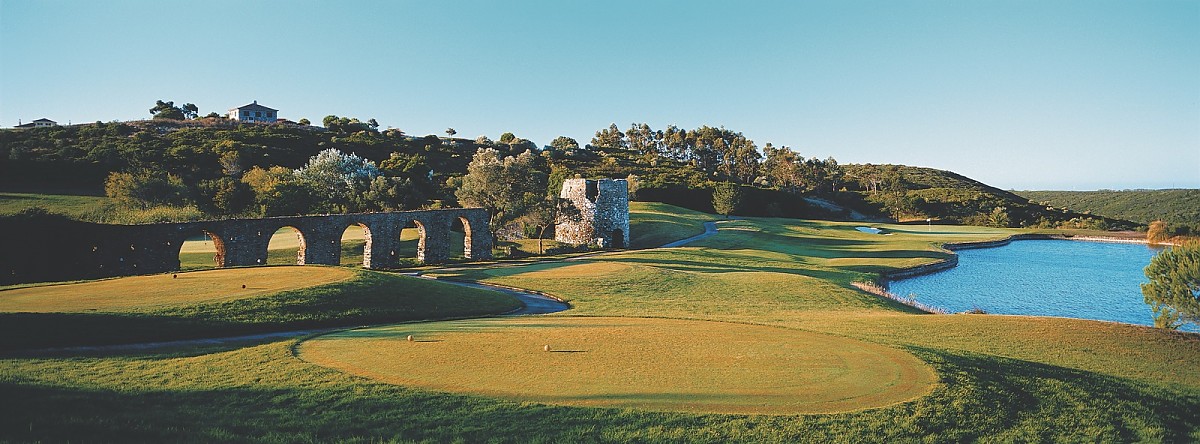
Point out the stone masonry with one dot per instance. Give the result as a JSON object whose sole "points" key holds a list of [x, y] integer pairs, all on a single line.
{"points": [[82, 250], [597, 213]]}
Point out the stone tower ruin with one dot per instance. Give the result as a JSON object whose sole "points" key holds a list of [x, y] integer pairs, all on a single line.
{"points": [[597, 213]]}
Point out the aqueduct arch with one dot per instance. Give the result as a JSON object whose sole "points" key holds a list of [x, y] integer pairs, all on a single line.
{"points": [[87, 250]]}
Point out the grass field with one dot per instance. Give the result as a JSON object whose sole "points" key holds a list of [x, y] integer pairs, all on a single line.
{"points": [[655, 364], [998, 378], [167, 290], [155, 308], [659, 223], [77, 207]]}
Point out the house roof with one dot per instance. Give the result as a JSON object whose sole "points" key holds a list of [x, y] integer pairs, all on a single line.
{"points": [[45, 120], [253, 107]]}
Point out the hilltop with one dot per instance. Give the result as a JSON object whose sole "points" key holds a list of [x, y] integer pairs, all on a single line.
{"points": [[1179, 208], [682, 167]]}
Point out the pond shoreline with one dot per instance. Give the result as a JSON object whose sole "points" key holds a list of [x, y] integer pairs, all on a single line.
{"points": [[881, 287]]}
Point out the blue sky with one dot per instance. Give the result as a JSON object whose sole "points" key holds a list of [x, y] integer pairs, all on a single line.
{"points": [[1019, 94]]}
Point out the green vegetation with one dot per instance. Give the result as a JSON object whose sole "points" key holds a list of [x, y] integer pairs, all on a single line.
{"points": [[232, 169], [999, 378], [1180, 209], [687, 366], [76, 207], [34, 318], [152, 292], [1174, 288], [652, 224], [727, 197]]}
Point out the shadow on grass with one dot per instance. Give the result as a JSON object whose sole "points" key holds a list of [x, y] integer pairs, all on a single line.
{"points": [[981, 398]]}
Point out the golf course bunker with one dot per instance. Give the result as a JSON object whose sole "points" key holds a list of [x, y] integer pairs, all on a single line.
{"points": [[653, 364], [167, 290]]}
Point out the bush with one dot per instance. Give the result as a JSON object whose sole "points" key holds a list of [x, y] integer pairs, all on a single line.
{"points": [[146, 188]]}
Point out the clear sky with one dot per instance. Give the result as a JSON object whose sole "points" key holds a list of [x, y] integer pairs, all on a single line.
{"points": [[1019, 94]]}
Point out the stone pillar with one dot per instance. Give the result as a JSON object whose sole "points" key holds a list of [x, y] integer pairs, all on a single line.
{"points": [[479, 246], [437, 238], [245, 243], [323, 239], [385, 240]]}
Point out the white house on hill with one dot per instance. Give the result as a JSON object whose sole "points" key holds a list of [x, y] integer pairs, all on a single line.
{"points": [[253, 113], [39, 123]]}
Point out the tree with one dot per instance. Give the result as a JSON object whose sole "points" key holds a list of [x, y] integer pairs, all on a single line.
{"points": [[278, 192], [304, 121], [506, 187], [564, 143], [633, 183], [610, 137], [190, 111], [450, 132], [998, 217], [726, 198], [340, 179], [1173, 292], [1157, 234], [508, 138], [168, 111], [146, 188]]}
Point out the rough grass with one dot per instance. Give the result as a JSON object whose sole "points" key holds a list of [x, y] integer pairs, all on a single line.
{"points": [[1000, 378], [655, 364], [75, 207], [368, 297]]}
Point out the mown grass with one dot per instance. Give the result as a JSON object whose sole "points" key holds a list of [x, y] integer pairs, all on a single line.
{"points": [[653, 224], [1000, 378], [368, 297], [647, 363], [152, 292], [263, 394]]}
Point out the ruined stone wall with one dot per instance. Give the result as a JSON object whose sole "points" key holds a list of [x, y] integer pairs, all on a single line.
{"points": [[58, 249], [598, 213]]}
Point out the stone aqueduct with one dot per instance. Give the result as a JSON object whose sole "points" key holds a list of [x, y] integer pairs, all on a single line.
{"points": [[121, 250]]}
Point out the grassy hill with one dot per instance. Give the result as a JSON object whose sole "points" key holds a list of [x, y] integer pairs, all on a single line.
{"points": [[1180, 208]]}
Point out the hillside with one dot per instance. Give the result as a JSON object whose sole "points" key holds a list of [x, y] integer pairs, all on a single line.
{"points": [[1180, 208], [205, 167]]}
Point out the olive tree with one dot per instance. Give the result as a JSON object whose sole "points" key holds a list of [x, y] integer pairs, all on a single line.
{"points": [[340, 181], [506, 187]]}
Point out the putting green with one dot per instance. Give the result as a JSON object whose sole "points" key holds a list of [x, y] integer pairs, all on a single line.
{"points": [[654, 364], [165, 290]]}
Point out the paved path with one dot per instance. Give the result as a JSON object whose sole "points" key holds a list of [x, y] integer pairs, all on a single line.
{"points": [[710, 228]]}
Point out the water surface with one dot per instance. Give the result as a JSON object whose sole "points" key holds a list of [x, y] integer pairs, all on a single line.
{"points": [[1086, 280]]}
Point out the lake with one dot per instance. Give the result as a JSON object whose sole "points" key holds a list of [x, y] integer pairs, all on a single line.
{"points": [[1074, 279]]}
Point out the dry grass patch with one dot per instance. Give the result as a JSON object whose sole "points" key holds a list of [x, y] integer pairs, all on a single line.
{"points": [[654, 364], [167, 290]]}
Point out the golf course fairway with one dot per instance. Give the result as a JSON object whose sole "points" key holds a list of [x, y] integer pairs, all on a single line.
{"points": [[167, 290], [622, 362]]}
